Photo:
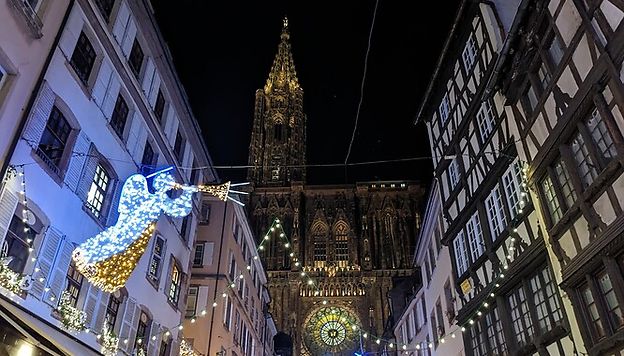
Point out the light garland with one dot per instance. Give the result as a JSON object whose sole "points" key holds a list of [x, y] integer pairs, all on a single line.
{"points": [[72, 318], [9, 279], [187, 350], [109, 341]]}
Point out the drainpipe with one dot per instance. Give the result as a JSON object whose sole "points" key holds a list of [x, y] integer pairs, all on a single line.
{"points": [[218, 275], [33, 94]]}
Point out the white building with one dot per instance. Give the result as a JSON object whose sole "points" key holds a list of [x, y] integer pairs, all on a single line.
{"points": [[28, 30], [427, 325], [228, 298], [109, 106]]}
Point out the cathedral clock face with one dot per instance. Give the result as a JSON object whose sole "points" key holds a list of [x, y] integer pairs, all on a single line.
{"points": [[331, 330]]}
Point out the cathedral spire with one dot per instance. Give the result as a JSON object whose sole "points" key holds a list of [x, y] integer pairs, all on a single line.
{"points": [[283, 70]]}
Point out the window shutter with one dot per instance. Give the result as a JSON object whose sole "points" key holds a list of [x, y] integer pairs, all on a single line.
{"points": [[58, 276], [128, 327], [152, 346], [8, 203], [77, 160], [202, 299], [111, 97], [113, 214], [100, 311], [148, 79], [45, 259], [129, 36], [88, 172], [154, 90], [70, 35], [121, 23], [102, 82], [137, 131], [91, 303], [39, 115], [208, 252]]}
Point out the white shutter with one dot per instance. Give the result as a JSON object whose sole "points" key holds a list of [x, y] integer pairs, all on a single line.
{"points": [[154, 343], [128, 326], [111, 97], [208, 252], [39, 115], [90, 306], [100, 311], [150, 70], [153, 93], [202, 299], [71, 33], [102, 82], [45, 260], [128, 39], [113, 212], [77, 160], [8, 203], [136, 129], [121, 22], [58, 276], [88, 172]]}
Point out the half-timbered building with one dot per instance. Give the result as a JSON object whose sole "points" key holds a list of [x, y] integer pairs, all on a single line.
{"points": [[509, 301], [563, 88]]}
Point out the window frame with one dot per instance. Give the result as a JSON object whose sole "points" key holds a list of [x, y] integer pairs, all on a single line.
{"points": [[98, 190], [444, 109], [136, 53], [469, 53], [74, 282], [83, 74], [154, 278], [175, 283], [119, 117], [191, 312], [486, 120]]}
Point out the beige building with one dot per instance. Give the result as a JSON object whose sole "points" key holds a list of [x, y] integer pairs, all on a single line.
{"points": [[226, 310], [28, 31]]}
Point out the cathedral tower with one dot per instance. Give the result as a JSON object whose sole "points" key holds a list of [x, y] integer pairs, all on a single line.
{"points": [[277, 148]]}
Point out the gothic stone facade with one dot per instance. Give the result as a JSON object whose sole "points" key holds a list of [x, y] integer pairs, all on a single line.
{"points": [[349, 240]]}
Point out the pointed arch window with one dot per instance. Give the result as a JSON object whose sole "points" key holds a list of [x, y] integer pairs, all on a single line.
{"points": [[341, 231], [319, 234]]}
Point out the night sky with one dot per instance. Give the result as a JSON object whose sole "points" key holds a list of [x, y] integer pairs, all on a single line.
{"points": [[223, 52]]}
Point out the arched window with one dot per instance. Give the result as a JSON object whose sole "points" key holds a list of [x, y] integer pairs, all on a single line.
{"points": [[277, 132], [341, 231], [319, 236]]}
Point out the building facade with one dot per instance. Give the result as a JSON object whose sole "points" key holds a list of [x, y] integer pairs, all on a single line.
{"points": [[109, 105], [564, 94], [330, 269], [509, 300], [227, 306], [425, 327], [29, 30]]}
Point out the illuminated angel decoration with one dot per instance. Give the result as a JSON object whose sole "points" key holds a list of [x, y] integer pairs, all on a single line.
{"points": [[108, 259]]}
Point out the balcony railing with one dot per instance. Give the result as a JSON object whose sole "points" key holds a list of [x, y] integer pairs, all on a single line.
{"points": [[30, 16]]}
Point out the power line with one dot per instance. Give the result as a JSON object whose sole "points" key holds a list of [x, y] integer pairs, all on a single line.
{"points": [[357, 114]]}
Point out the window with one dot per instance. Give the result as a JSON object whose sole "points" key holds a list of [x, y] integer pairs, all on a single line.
{"points": [[477, 340], [159, 107], [495, 333], [495, 212], [342, 244], [227, 312], [74, 284], [432, 259], [434, 328], [552, 204], [585, 164], [194, 173], [198, 256], [3, 76], [136, 58], [148, 155], [54, 139], [191, 301], [600, 135], [520, 317], [428, 269], [142, 331], [120, 116], [19, 239], [97, 192], [475, 237], [545, 300], [277, 132], [461, 254], [485, 120], [232, 270], [204, 218], [563, 178], [450, 304], [184, 227], [83, 58], [444, 109], [441, 329], [178, 147], [611, 303], [164, 347], [591, 313], [512, 181], [174, 288], [469, 54], [555, 50], [106, 7], [529, 100], [158, 253], [453, 172], [112, 310], [319, 233]]}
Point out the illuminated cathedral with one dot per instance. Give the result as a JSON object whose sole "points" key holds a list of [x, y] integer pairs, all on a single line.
{"points": [[346, 244]]}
